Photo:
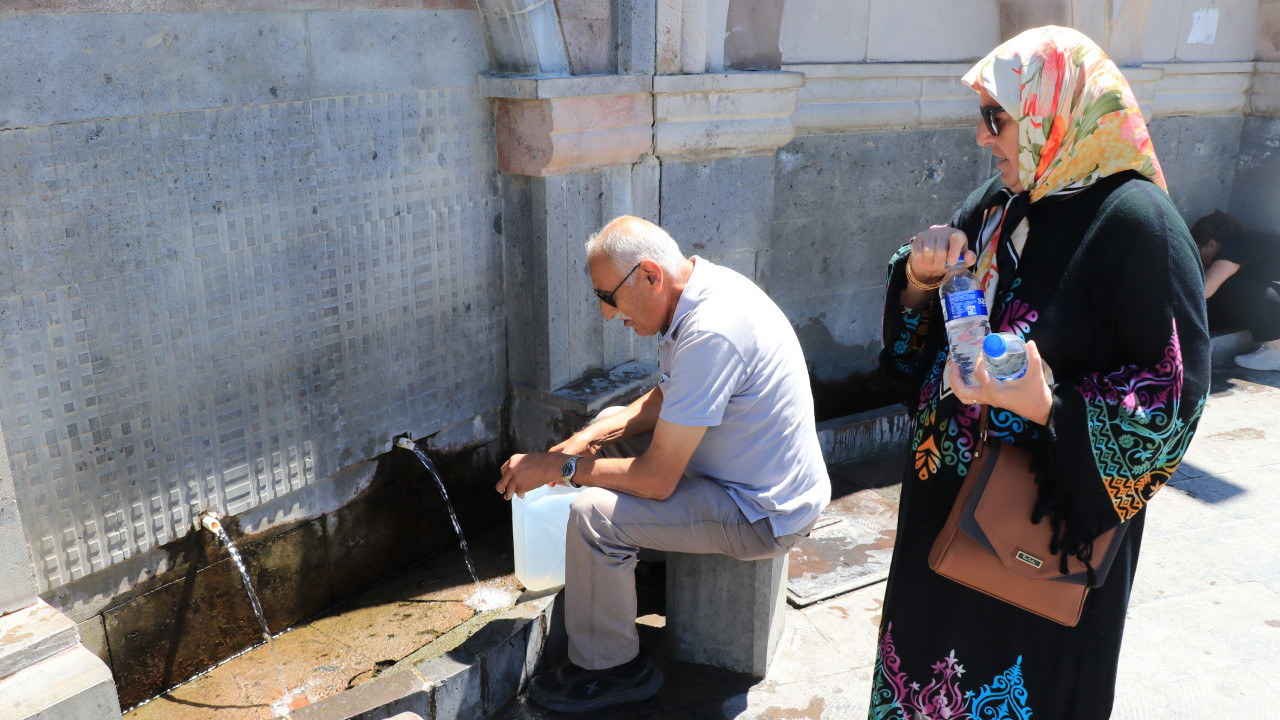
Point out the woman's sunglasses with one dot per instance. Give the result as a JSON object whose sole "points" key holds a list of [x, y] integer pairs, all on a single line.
{"points": [[989, 113]]}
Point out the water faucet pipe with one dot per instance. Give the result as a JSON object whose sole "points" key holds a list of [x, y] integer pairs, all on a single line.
{"points": [[209, 521], [406, 443]]}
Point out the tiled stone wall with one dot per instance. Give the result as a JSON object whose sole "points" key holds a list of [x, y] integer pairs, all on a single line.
{"points": [[212, 298]]}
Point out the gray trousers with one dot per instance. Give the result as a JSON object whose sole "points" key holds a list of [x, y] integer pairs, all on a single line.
{"points": [[606, 531]]}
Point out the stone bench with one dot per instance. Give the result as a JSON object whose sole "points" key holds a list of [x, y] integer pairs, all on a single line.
{"points": [[1226, 343], [725, 612]]}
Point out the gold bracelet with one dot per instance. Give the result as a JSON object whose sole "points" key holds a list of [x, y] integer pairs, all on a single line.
{"points": [[911, 278]]}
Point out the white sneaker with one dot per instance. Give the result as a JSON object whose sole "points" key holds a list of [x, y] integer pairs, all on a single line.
{"points": [[1264, 358]]}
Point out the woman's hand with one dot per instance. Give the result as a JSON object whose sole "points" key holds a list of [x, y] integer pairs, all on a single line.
{"points": [[931, 251], [934, 249], [1028, 396]]}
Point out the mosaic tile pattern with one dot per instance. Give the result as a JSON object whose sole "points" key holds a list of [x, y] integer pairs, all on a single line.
{"points": [[214, 308]]}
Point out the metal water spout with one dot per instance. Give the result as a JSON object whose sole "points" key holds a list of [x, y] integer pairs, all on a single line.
{"points": [[406, 443], [209, 520]]}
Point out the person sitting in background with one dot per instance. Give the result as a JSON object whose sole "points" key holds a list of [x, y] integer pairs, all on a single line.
{"points": [[1242, 283]]}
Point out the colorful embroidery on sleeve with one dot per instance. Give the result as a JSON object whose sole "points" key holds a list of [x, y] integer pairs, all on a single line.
{"points": [[914, 326], [1136, 427]]}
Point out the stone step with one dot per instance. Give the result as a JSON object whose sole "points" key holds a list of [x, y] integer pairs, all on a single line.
{"points": [[72, 684], [33, 634], [1225, 345]]}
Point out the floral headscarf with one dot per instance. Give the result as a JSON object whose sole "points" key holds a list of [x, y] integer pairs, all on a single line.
{"points": [[1077, 118]]}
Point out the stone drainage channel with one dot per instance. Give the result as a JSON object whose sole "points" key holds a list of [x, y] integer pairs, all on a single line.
{"points": [[422, 676], [337, 662]]}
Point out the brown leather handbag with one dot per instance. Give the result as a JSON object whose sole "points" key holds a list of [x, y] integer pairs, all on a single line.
{"points": [[990, 544]]}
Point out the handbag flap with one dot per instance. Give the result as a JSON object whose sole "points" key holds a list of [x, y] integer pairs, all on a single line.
{"points": [[998, 517]]}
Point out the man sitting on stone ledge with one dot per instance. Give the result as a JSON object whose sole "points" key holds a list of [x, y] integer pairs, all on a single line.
{"points": [[733, 465]]}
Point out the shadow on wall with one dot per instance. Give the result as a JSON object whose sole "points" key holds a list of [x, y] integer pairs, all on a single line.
{"points": [[839, 395], [854, 393]]}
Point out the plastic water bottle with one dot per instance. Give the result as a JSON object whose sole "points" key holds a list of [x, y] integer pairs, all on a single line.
{"points": [[538, 524], [964, 308], [1006, 357]]}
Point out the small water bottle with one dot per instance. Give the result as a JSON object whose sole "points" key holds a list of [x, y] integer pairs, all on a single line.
{"points": [[964, 310], [1006, 357]]}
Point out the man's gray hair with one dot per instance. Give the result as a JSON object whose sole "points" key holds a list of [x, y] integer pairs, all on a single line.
{"points": [[627, 240]]}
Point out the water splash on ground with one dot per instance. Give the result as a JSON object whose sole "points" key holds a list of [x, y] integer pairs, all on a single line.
{"points": [[292, 701], [490, 598]]}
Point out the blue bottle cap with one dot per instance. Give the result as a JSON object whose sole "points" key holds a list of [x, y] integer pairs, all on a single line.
{"points": [[994, 345]]}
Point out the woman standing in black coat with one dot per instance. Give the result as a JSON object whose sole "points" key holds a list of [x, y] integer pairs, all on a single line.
{"points": [[1080, 252]]}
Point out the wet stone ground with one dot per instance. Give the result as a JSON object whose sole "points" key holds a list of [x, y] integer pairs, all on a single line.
{"points": [[349, 644]]}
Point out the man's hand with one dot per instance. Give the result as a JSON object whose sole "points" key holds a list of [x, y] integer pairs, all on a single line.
{"points": [[579, 444], [1028, 396], [522, 473]]}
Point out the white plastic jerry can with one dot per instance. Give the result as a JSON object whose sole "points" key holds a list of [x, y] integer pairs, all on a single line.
{"points": [[538, 523]]}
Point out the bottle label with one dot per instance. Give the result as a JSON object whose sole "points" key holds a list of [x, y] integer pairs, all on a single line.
{"points": [[1021, 371], [963, 304]]}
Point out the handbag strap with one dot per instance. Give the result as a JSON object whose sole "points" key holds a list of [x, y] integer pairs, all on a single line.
{"points": [[981, 447]]}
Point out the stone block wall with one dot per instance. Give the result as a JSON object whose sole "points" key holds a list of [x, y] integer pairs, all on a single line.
{"points": [[886, 139], [1253, 194], [843, 204], [1198, 155]]}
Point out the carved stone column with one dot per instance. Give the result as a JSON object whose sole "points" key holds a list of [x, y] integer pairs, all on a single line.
{"points": [[574, 152], [577, 150]]}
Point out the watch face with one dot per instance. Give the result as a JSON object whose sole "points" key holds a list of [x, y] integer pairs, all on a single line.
{"points": [[568, 467]]}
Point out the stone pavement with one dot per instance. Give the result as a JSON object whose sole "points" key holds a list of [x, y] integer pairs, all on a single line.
{"points": [[1203, 635]]}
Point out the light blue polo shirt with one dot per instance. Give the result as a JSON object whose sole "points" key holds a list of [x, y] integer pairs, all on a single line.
{"points": [[731, 362]]}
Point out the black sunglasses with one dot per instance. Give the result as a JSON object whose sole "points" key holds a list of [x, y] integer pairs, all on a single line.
{"points": [[608, 297], [989, 113]]}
